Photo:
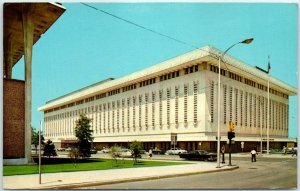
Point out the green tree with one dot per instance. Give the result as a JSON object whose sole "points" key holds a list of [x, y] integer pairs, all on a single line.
{"points": [[136, 147], [35, 139], [115, 153], [49, 149], [83, 133]]}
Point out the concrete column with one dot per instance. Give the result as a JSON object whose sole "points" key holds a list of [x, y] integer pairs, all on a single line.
{"points": [[28, 43], [8, 58]]}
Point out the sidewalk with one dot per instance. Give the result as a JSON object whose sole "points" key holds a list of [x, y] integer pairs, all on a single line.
{"points": [[264, 155], [67, 180]]}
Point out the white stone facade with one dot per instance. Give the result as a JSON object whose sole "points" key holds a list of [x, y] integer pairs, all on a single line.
{"points": [[176, 96]]}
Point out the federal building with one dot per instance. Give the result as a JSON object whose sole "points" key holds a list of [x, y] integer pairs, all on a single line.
{"points": [[177, 97]]}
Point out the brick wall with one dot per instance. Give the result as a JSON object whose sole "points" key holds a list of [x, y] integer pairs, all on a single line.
{"points": [[13, 118]]}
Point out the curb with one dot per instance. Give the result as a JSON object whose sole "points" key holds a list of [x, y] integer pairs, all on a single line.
{"points": [[98, 183]]}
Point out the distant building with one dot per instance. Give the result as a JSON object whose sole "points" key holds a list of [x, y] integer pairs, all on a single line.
{"points": [[23, 25], [178, 97]]}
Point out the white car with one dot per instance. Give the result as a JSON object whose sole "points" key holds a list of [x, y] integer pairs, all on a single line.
{"points": [[175, 151], [125, 153]]}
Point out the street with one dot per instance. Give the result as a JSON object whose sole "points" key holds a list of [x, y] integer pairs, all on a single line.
{"points": [[266, 173]]}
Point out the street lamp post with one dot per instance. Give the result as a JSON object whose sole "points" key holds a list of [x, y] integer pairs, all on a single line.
{"points": [[246, 41], [261, 106]]}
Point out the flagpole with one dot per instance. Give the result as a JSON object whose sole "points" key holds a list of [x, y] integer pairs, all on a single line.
{"points": [[268, 112]]}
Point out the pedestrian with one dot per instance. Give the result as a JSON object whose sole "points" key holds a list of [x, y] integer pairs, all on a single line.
{"points": [[223, 154], [150, 153], [294, 152], [253, 155], [285, 150]]}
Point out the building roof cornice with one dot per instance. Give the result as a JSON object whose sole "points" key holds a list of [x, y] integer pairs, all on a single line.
{"points": [[158, 69]]}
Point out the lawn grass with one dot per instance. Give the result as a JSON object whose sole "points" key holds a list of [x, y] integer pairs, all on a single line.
{"points": [[91, 164]]}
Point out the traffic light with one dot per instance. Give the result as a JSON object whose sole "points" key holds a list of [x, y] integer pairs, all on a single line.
{"points": [[231, 126], [230, 135]]}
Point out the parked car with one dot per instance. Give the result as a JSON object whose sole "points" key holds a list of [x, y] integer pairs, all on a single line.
{"points": [[106, 150], [61, 149], [175, 151], [93, 151], [127, 153], [68, 149], [157, 151], [199, 155], [289, 150]]}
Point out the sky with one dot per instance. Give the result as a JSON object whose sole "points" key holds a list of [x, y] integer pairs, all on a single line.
{"points": [[85, 46]]}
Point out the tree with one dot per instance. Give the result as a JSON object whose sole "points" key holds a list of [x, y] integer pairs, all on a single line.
{"points": [[49, 149], [35, 139], [83, 133], [115, 153], [136, 147], [74, 155]]}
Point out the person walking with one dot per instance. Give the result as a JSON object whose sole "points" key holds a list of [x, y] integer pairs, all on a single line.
{"points": [[223, 154], [150, 153], [253, 155]]}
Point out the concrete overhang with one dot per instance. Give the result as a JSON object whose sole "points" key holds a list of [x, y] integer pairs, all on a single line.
{"points": [[43, 16]]}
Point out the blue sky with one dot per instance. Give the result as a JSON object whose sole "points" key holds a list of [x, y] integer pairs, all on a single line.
{"points": [[85, 46]]}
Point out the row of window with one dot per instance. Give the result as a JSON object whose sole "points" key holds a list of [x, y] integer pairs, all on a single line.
{"points": [[252, 104], [147, 82], [169, 76], [249, 82], [104, 119], [132, 86]]}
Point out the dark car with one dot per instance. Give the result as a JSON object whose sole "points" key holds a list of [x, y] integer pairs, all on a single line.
{"points": [[93, 151], [199, 155]]}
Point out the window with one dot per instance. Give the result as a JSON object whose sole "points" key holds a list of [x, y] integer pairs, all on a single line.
{"points": [[128, 113], [133, 112], [118, 115], [108, 117], [169, 76], [246, 109], [225, 103], [104, 117], [147, 82], [236, 106], [191, 69], [250, 108], [113, 116], [176, 104], [168, 107], [255, 113], [259, 110], [185, 103], [212, 86], [123, 105], [241, 106], [146, 109], [195, 101], [230, 104], [160, 107], [140, 111], [153, 109]]}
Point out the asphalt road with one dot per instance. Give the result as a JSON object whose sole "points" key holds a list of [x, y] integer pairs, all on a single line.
{"points": [[266, 173]]}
